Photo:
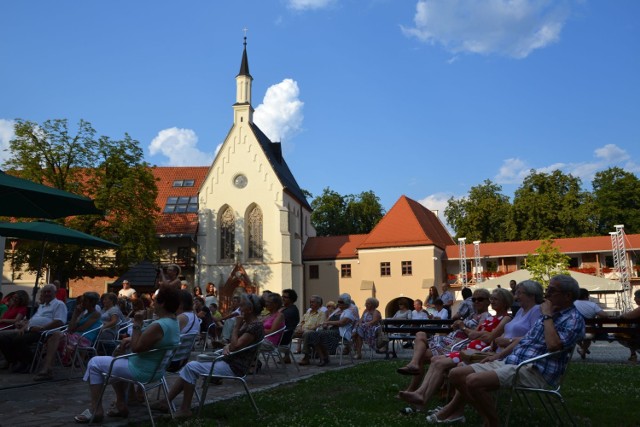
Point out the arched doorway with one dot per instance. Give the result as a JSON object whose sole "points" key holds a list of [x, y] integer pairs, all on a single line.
{"points": [[238, 281]]}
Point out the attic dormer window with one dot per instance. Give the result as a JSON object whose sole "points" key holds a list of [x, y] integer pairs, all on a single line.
{"points": [[184, 204], [184, 183]]}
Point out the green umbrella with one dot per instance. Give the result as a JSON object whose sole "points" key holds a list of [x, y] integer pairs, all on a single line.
{"points": [[24, 198], [48, 231]]}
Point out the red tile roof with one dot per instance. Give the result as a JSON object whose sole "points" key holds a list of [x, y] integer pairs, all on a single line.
{"points": [[408, 223], [177, 223], [525, 247], [332, 247]]}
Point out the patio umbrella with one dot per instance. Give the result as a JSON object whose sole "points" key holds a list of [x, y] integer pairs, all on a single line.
{"points": [[23, 198], [48, 231]]}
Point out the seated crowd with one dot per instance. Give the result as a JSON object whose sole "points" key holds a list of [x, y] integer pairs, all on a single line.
{"points": [[479, 356]]}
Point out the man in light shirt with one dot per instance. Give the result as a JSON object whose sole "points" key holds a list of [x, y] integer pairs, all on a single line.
{"points": [[311, 320]]}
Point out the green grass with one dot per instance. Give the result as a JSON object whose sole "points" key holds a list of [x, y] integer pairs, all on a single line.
{"points": [[364, 395]]}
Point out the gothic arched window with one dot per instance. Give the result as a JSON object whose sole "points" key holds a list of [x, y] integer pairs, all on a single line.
{"points": [[255, 233], [227, 235]]}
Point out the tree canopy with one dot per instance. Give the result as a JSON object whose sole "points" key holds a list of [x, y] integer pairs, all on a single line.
{"points": [[484, 214], [334, 214], [110, 171], [546, 262], [617, 200]]}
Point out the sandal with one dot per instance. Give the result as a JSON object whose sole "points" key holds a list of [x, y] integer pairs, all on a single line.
{"points": [[85, 417], [409, 410]]}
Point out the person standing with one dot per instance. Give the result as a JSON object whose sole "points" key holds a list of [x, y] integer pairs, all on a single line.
{"points": [[127, 292]]}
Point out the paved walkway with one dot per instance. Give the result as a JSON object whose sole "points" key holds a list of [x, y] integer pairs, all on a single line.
{"points": [[24, 403]]}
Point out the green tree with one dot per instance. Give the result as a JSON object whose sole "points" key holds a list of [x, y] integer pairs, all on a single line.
{"points": [[335, 215], [484, 214], [112, 172], [552, 205], [546, 262], [617, 200]]}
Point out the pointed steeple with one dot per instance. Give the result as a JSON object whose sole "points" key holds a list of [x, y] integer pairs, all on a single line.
{"points": [[244, 65], [242, 108]]}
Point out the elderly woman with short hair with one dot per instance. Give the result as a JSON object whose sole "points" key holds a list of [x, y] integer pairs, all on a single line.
{"points": [[247, 330], [84, 318], [326, 340], [367, 326]]}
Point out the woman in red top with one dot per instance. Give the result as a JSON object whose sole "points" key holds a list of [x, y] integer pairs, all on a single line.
{"points": [[18, 306]]}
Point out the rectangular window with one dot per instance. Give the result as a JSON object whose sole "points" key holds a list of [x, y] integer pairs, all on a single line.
{"points": [[314, 272], [345, 270], [184, 183], [385, 269], [574, 263], [181, 204], [407, 269]]}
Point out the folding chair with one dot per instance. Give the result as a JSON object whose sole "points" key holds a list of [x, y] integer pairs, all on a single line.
{"points": [[156, 380], [546, 394], [38, 355], [345, 343], [211, 333], [181, 355], [106, 346], [270, 351], [83, 353], [215, 358], [285, 349]]}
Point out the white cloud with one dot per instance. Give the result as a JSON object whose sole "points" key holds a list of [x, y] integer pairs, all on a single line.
{"points": [[309, 4], [512, 28], [438, 202], [6, 135], [280, 114], [514, 170], [180, 147]]}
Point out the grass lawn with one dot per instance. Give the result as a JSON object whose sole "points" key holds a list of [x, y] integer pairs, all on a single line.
{"points": [[364, 395]]}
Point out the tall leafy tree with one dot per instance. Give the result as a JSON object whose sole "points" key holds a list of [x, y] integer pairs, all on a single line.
{"points": [[546, 262], [112, 172], [617, 199], [552, 205], [335, 215], [484, 214]]}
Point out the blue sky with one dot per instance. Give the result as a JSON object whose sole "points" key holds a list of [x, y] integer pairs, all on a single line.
{"points": [[417, 97]]}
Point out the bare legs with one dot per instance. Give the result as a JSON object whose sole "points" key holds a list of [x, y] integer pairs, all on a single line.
{"points": [[421, 355], [357, 341], [52, 349], [431, 382], [476, 389], [181, 386]]}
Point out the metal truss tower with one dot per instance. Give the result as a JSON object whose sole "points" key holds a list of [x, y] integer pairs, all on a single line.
{"points": [[478, 266], [621, 265], [463, 260]]}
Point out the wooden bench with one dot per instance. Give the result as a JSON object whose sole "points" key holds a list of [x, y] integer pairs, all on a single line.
{"points": [[607, 329], [403, 330]]}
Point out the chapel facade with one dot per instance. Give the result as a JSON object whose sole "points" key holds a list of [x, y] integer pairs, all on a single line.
{"points": [[253, 218]]}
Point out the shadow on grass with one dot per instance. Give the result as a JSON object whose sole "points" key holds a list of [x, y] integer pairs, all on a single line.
{"points": [[365, 395]]}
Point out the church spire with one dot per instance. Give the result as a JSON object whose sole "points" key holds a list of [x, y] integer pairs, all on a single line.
{"points": [[242, 107], [244, 65]]}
